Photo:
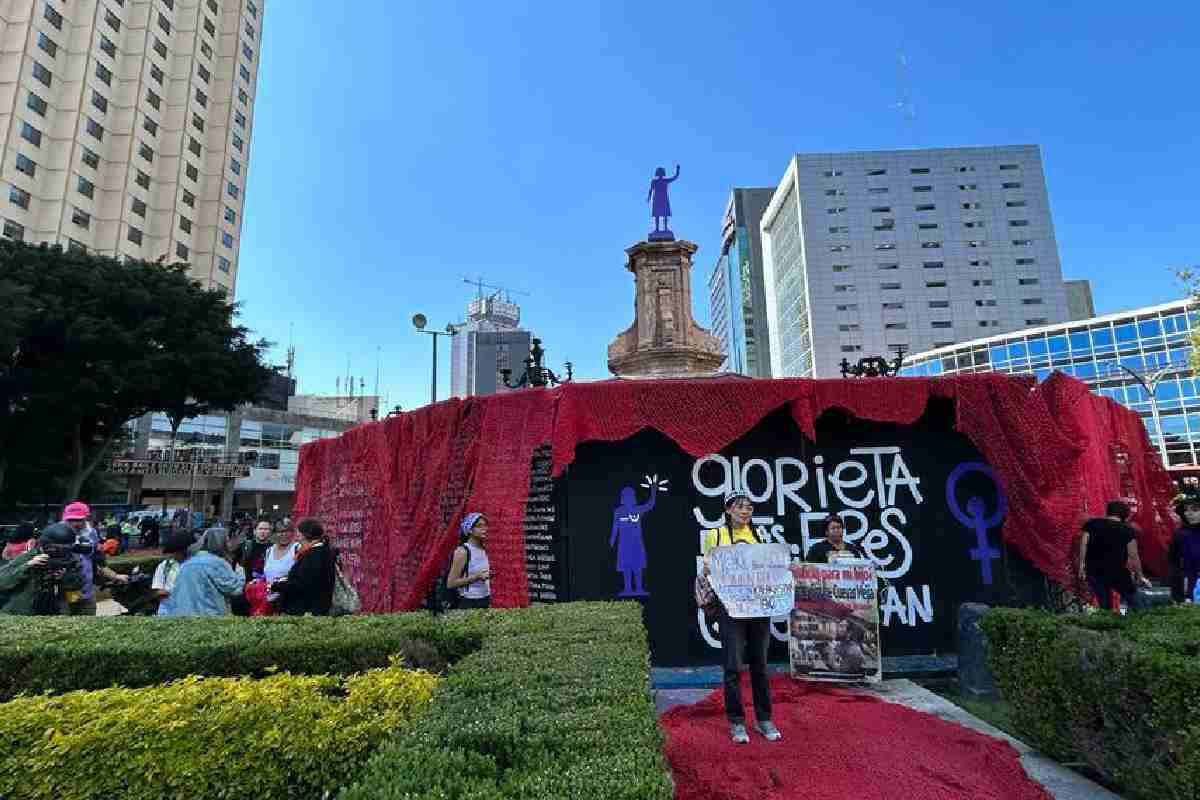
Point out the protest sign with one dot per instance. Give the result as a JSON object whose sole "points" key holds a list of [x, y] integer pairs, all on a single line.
{"points": [[834, 626], [752, 580]]}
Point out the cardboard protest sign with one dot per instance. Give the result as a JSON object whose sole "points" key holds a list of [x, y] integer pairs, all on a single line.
{"points": [[752, 580], [834, 626]]}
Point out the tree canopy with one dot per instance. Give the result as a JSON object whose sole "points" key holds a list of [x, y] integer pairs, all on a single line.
{"points": [[89, 343]]}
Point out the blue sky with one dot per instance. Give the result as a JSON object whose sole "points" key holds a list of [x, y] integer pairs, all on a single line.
{"points": [[398, 146]]}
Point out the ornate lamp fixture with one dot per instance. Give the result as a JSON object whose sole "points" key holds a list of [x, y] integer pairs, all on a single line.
{"points": [[873, 367], [535, 374]]}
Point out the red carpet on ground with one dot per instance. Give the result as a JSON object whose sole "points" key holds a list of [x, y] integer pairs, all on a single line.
{"points": [[838, 745]]}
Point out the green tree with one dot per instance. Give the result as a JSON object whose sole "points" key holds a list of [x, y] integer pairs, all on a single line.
{"points": [[1190, 276], [104, 342]]}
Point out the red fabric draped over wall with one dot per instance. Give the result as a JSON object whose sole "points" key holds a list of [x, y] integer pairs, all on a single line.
{"points": [[393, 492]]}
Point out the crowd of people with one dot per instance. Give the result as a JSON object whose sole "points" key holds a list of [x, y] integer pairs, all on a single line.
{"points": [[254, 568]]}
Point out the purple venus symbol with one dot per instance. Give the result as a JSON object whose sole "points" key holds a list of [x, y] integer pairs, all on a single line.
{"points": [[974, 517]]}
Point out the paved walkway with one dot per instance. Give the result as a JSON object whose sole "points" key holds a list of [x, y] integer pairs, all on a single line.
{"points": [[1061, 782]]}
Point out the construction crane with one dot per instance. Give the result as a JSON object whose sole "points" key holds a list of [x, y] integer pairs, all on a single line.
{"points": [[480, 286]]}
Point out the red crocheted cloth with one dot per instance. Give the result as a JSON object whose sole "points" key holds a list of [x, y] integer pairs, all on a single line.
{"points": [[394, 491], [838, 744]]}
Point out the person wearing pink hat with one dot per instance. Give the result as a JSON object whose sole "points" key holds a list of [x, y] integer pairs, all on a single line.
{"points": [[93, 563]]}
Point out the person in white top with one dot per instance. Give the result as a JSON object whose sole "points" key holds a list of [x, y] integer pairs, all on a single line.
{"points": [[472, 576], [176, 550], [279, 558]]}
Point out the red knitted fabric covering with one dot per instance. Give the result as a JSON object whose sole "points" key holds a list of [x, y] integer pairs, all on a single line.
{"points": [[838, 744], [394, 491]]}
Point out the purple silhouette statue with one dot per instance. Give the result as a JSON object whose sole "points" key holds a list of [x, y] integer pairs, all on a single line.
{"points": [[627, 537], [660, 205]]}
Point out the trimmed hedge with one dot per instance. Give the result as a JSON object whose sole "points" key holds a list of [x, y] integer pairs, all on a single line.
{"points": [[125, 564], [555, 704], [281, 736], [61, 654], [1121, 694]]}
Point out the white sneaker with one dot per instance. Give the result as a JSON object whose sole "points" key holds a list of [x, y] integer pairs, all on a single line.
{"points": [[768, 730], [737, 731]]}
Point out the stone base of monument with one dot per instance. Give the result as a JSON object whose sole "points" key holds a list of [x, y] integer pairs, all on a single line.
{"points": [[663, 341], [974, 675]]}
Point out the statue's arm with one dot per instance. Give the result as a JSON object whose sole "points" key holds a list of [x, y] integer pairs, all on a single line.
{"points": [[676, 175]]}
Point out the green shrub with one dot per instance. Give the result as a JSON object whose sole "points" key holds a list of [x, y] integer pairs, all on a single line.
{"points": [[126, 564], [555, 704], [60, 654], [1120, 694], [281, 736]]}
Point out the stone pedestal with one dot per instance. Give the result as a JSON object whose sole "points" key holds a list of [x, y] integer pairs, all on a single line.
{"points": [[664, 340]]}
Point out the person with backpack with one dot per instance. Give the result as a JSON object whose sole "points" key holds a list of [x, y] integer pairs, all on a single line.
{"points": [[470, 573]]}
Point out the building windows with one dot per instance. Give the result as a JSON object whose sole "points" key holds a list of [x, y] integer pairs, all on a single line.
{"points": [[212, 6], [931, 245], [53, 17], [18, 197], [841, 267], [843, 287], [881, 209], [193, 146], [895, 326], [192, 172], [974, 224], [890, 265], [249, 29], [201, 98], [968, 187], [848, 307], [1015, 204], [939, 303], [81, 218], [934, 264], [113, 21], [852, 348], [919, 171], [850, 327], [226, 239], [985, 303], [982, 282], [134, 235], [890, 287], [1024, 262], [935, 284], [209, 27], [243, 98], [836, 248], [95, 129], [188, 199], [886, 224], [100, 102], [1010, 166], [877, 190], [1036, 321], [1027, 281], [834, 192], [138, 207], [185, 225], [104, 74], [85, 187], [169, 4], [922, 188], [240, 119], [181, 250], [89, 157], [981, 263], [1011, 185], [76, 246], [154, 100], [237, 169], [1022, 242], [976, 243], [1018, 223], [942, 323], [164, 23], [927, 207], [157, 75], [893, 306], [203, 72], [247, 52], [972, 206], [142, 179], [198, 122], [1031, 301], [145, 152], [966, 169], [237, 143], [150, 126], [160, 47], [253, 9], [874, 172], [31, 134], [833, 173], [26, 165], [14, 231], [230, 215], [47, 44], [206, 50], [927, 226], [886, 246], [107, 46], [42, 74], [223, 264]]}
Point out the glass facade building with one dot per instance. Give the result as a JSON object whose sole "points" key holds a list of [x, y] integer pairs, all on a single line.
{"points": [[1098, 351], [737, 299]]}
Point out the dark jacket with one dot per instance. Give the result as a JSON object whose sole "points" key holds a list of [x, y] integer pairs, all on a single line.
{"points": [[251, 556], [309, 585], [24, 591]]}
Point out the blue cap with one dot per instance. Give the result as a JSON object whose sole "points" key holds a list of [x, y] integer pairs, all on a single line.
{"points": [[464, 530], [735, 494]]}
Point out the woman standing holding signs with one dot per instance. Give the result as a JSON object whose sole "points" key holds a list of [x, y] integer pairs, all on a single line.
{"points": [[736, 634]]}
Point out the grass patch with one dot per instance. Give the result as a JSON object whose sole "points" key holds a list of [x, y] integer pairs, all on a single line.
{"points": [[994, 711]]}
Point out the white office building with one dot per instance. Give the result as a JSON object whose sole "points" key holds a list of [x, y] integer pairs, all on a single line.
{"points": [[489, 341], [868, 254]]}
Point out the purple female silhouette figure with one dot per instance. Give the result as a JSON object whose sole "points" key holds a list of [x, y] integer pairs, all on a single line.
{"points": [[627, 537], [660, 205]]}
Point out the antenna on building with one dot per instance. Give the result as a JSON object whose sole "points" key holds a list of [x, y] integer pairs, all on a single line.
{"points": [[378, 349], [479, 285], [291, 352]]}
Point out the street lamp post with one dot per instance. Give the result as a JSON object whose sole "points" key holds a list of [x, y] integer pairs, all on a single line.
{"points": [[1150, 384], [419, 322]]}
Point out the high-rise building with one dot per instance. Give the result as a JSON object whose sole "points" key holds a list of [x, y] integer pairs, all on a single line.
{"points": [[867, 254], [1079, 300], [737, 297], [1113, 354], [127, 127], [490, 340]]}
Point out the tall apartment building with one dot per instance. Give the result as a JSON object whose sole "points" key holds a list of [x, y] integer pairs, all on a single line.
{"points": [[490, 340], [866, 254], [127, 126], [737, 297], [1079, 299]]}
